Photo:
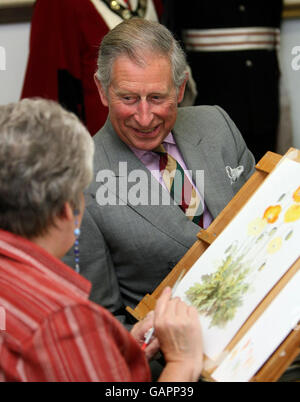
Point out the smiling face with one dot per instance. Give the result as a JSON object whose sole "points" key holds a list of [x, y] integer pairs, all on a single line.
{"points": [[142, 100]]}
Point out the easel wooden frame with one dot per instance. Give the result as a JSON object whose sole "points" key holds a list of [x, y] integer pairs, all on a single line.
{"points": [[290, 348]]}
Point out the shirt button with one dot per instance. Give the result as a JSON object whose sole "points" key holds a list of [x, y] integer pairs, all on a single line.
{"points": [[242, 8], [249, 63]]}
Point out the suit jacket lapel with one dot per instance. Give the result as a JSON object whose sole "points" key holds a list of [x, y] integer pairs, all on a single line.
{"points": [[169, 219], [196, 154]]}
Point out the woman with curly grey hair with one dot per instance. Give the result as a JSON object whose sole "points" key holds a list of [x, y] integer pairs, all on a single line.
{"points": [[49, 330], [46, 162]]}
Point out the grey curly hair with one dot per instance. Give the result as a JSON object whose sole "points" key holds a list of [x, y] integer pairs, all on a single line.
{"points": [[134, 38], [46, 158]]}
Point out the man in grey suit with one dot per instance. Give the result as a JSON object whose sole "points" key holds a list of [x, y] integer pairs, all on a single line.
{"points": [[133, 233]]}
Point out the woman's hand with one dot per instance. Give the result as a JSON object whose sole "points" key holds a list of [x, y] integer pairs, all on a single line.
{"points": [[177, 328], [138, 332]]}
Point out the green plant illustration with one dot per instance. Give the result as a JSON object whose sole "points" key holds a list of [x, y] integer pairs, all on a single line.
{"points": [[219, 295]]}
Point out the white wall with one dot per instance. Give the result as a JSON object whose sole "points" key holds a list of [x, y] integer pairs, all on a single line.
{"points": [[15, 39]]}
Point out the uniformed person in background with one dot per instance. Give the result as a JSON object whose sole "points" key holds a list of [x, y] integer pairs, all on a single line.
{"points": [[64, 43], [232, 51]]}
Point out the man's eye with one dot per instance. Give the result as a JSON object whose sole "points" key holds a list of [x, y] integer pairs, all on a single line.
{"points": [[129, 99], [156, 98]]}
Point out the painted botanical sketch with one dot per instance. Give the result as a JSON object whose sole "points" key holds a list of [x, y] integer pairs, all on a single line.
{"points": [[267, 333], [247, 259], [219, 294]]}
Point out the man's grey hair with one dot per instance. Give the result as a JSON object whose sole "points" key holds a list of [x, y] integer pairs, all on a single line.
{"points": [[134, 38], [46, 160]]}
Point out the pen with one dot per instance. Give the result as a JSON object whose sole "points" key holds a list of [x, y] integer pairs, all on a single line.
{"points": [[148, 335]]}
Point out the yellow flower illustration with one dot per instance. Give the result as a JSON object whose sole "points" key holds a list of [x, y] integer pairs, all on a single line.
{"points": [[271, 213], [274, 245], [292, 214], [296, 195], [256, 226]]}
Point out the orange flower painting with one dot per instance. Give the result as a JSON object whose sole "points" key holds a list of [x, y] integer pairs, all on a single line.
{"points": [[272, 213], [296, 195]]}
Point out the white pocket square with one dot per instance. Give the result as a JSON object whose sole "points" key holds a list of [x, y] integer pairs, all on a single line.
{"points": [[235, 173]]}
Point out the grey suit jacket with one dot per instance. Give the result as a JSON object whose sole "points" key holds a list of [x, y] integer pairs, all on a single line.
{"points": [[127, 250]]}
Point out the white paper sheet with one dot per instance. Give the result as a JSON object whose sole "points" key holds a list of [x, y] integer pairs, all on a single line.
{"points": [[268, 332], [263, 239]]}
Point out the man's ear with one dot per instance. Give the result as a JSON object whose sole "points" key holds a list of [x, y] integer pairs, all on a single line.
{"points": [[181, 90], [101, 91]]}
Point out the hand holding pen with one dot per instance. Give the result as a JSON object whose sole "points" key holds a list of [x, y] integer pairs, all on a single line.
{"points": [[149, 334], [177, 336], [178, 331]]}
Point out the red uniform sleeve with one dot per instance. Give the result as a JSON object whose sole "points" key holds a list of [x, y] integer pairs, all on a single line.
{"points": [[64, 42], [159, 7]]}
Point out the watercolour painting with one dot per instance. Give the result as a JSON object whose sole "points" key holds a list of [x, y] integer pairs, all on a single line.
{"points": [[280, 317], [247, 259]]}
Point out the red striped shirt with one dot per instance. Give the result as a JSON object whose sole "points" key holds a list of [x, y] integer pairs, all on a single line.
{"points": [[52, 331]]}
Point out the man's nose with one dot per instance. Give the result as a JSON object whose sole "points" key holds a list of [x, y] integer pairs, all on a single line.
{"points": [[144, 115]]}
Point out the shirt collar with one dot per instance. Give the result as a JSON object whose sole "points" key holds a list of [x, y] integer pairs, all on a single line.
{"points": [[29, 253]]}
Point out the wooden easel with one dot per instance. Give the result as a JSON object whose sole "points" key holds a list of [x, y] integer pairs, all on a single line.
{"points": [[290, 348]]}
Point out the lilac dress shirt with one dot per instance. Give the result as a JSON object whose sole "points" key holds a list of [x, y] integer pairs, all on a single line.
{"points": [[151, 161]]}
